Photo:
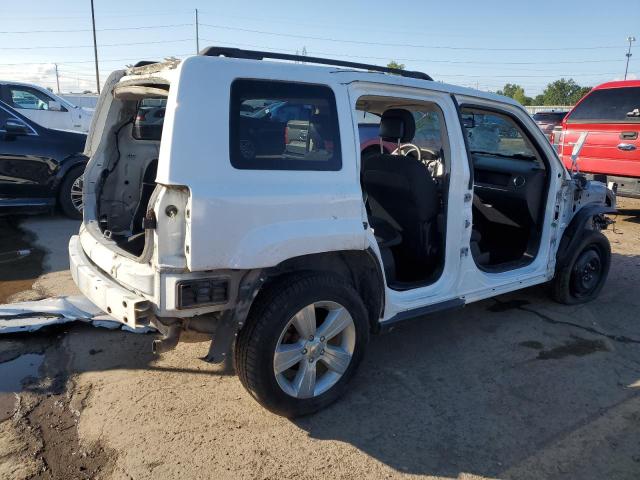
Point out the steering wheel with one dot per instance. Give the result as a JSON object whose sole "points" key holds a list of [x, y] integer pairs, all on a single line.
{"points": [[406, 148]]}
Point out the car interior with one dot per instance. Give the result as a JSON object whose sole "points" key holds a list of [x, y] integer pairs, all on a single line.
{"points": [[510, 184], [128, 181], [405, 191]]}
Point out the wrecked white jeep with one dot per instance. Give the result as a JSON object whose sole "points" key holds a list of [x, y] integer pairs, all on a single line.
{"points": [[230, 196]]}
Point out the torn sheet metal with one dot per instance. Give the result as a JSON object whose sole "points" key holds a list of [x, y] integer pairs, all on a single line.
{"points": [[32, 316]]}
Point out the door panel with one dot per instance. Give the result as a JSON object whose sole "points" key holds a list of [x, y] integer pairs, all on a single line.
{"points": [[609, 148]]}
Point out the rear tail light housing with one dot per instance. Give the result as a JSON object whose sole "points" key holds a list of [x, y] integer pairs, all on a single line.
{"points": [[202, 292]]}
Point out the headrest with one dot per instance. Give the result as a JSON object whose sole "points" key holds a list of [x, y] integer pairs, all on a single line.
{"points": [[396, 125]]}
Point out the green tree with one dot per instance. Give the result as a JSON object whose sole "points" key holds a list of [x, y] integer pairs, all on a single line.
{"points": [[563, 92], [394, 64], [516, 92], [538, 100]]}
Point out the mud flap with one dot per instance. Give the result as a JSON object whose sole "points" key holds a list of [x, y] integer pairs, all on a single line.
{"points": [[233, 320]]}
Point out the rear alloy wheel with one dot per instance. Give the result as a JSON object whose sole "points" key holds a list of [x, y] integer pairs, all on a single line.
{"points": [[304, 338], [70, 193], [309, 358]]}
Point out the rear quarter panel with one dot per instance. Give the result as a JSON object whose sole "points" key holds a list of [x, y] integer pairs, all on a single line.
{"points": [[253, 218]]}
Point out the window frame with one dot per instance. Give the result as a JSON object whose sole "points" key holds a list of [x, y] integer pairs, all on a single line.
{"points": [[529, 139], [244, 85]]}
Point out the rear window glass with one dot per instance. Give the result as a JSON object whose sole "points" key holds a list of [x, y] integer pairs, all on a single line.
{"points": [[549, 116], [149, 119], [615, 105], [283, 126]]}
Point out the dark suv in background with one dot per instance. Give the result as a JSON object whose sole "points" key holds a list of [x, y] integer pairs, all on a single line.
{"points": [[39, 167]]}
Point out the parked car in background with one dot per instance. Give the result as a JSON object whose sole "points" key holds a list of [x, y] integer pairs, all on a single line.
{"points": [[548, 120], [610, 113], [39, 167], [44, 107], [149, 119]]}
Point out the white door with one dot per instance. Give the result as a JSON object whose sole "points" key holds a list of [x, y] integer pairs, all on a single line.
{"points": [[37, 106]]}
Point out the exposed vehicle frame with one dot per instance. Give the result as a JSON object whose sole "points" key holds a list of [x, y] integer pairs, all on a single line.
{"points": [[253, 255]]}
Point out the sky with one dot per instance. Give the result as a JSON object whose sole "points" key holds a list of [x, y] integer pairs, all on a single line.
{"points": [[481, 44]]}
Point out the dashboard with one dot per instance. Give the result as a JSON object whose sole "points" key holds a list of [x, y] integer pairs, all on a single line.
{"points": [[515, 186]]}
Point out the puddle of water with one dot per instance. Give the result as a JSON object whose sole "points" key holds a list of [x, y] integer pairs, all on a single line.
{"points": [[20, 263], [12, 373], [578, 348]]}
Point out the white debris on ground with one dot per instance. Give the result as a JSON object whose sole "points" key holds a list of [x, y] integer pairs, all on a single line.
{"points": [[32, 316]]}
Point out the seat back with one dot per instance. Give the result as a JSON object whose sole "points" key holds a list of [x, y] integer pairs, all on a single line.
{"points": [[404, 190]]}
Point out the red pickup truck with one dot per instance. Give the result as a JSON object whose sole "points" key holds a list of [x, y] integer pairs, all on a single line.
{"points": [[611, 114]]}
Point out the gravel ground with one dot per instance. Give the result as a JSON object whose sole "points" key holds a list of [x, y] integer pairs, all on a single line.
{"points": [[513, 387]]}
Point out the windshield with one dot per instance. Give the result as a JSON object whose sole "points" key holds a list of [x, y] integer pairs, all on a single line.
{"points": [[495, 134]]}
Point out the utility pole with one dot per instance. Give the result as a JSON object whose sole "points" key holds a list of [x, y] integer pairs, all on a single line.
{"points": [[95, 48], [57, 78], [197, 34], [629, 39]]}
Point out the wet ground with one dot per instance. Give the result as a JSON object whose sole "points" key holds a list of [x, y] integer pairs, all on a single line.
{"points": [[512, 387], [20, 262]]}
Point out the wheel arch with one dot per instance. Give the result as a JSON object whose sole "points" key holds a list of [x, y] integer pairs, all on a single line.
{"points": [[69, 163], [588, 218], [360, 267]]}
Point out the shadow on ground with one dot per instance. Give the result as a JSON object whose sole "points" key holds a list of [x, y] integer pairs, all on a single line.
{"points": [[512, 387]]}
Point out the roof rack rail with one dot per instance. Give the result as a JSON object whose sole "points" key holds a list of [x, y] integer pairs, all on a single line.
{"points": [[259, 55]]}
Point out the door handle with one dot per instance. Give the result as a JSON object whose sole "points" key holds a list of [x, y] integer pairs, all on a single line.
{"points": [[629, 136], [627, 147]]}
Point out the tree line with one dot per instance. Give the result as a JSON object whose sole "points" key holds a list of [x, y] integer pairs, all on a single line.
{"points": [[560, 92]]}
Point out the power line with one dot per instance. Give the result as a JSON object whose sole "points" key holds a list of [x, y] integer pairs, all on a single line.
{"points": [[110, 60], [423, 60], [100, 29], [43, 47], [64, 17], [405, 45]]}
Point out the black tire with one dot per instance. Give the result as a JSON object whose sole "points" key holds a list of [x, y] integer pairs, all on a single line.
{"points": [[64, 194], [582, 277], [272, 310]]}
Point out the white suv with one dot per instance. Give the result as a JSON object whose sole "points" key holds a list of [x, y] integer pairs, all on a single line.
{"points": [[251, 213], [44, 107]]}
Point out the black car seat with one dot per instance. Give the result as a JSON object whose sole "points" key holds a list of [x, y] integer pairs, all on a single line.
{"points": [[403, 191]]}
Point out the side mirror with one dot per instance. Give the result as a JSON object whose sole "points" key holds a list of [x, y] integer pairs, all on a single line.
{"points": [[55, 106], [15, 128]]}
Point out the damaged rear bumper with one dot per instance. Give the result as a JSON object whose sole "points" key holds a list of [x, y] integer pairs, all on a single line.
{"points": [[125, 306]]}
